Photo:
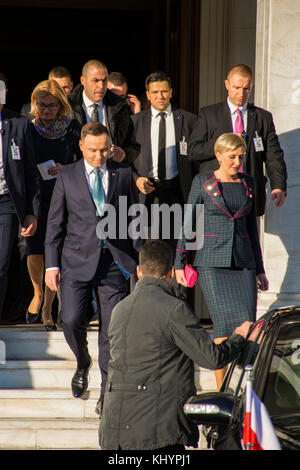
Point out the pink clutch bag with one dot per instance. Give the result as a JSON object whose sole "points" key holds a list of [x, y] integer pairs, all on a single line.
{"points": [[190, 275]]}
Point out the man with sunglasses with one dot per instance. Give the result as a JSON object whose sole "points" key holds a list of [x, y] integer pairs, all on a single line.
{"points": [[92, 101]]}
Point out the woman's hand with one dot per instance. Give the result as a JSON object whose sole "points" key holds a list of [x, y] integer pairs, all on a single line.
{"points": [[262, 282], [54, 171], [180, 277]]}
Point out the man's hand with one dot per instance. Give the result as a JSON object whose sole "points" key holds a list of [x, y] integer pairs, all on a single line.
{"points": [[54, 171], [117, 153], [134, 103], [29, 226], [180, 277], [243, 329], [144, 185], [279, 196], [52, 279]]}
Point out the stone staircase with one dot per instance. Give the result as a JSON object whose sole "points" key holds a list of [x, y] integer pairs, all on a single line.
{"points": [[37, 409]]}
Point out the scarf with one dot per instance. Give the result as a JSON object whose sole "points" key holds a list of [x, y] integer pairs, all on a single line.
{"points": [[56, 130]]}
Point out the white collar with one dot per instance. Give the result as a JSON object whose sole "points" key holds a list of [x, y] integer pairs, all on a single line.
{"points": [[90, 169], [232, 107], [88, 102]]}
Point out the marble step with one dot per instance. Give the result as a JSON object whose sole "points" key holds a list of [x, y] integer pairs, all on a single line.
{"points": [[29, 344], [43, 374], [51, 434], [47, 404]]}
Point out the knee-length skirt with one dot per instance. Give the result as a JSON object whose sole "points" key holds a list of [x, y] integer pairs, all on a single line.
{"points": [[231, 297]]}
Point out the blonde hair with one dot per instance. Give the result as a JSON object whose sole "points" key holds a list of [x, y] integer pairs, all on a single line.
{"points": [[229, 141], [51, 87]]}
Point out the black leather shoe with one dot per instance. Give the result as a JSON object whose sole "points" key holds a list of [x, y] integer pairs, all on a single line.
{"points": [[32, 317], [99, 406], [80, 381]]}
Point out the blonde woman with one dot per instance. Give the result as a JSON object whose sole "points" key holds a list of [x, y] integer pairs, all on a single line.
{"points": [[230, 262], [56, 138]]}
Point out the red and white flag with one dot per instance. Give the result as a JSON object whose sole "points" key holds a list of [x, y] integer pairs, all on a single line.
{"points": [[258, 433]]}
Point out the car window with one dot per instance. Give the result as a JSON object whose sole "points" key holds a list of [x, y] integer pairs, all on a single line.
{"points": [[282, 392]]}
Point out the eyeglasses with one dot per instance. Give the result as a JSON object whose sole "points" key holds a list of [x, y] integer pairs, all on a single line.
{"points": [[45, 106]]}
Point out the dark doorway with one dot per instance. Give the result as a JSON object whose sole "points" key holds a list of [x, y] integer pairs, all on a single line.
{"points": [[132, 36]]}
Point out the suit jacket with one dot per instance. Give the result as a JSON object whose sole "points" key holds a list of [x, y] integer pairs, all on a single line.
{"points": [[184, 122], [21, 176], [71, 239], [215, 120], [118, 122], [223, 231]]}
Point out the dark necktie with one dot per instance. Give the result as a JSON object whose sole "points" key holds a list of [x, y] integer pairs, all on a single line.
{"points": [[162, 147], [95, 114]]}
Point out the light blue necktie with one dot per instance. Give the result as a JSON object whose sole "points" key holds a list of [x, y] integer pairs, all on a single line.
{"points": [[98, 191]]}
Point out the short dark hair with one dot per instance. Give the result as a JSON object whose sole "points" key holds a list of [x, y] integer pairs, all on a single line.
{"points": [[157, 77], [117, 78], [4, 79], [59, 72], [155, 258], [93, 128]]}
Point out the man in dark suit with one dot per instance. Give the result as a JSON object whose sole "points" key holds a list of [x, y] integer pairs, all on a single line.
{"points": [[162, 172], [19, 184], [257, 127], [78, 256], [92, 101]]}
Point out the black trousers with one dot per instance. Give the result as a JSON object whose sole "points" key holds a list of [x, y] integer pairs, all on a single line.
{"points": [[111, 287], [9, 225], [166, 228]]}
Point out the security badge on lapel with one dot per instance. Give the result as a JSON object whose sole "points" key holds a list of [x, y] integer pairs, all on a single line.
{"points": [[258, 143], [183, 146], [15, 151]]}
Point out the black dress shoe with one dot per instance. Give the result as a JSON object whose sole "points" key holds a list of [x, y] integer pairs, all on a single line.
{"points": [[80, 381], [99, 406], [32, 317], [50, 327]]}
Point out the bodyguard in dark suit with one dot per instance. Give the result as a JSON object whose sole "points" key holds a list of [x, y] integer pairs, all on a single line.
{"points": [[19, 186], [162, 172], [257, 127], [92, 101], [75, 254]]}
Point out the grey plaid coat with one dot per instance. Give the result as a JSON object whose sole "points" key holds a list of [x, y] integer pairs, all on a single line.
{"points": [[223, 231]]}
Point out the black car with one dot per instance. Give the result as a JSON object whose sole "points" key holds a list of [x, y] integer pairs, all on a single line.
{"points": [[275, 357]]}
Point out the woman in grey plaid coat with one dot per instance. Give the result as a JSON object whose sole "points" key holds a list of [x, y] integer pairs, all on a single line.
{"points": [[229, 264]]}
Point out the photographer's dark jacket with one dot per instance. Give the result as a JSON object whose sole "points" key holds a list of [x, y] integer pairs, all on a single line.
{"points": [[155, 339]]}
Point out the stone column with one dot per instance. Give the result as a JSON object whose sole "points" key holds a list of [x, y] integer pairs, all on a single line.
{"points": [[277, 88]]}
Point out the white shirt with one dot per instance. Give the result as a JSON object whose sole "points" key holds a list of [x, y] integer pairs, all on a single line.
{"points": [[171, 162], [88, 107], [233, 114]]}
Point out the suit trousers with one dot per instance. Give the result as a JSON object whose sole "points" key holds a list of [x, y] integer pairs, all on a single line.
{"points": [[9, 225], [111, 287], [167, 228]]}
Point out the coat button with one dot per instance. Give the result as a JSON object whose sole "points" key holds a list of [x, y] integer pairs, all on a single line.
{"points": [[139, 387]]}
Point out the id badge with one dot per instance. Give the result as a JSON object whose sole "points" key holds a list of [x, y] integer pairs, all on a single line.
{"points": [[183, 146], [258, 143], [15, 152]]}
